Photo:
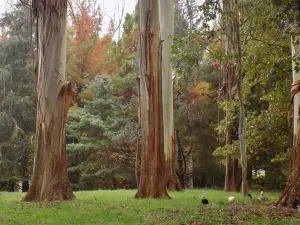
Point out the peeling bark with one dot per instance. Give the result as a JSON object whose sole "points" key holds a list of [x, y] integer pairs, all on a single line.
{"points": [[231, 46], [50, 180], [152, 172], [290, 196], [228, 76], [173, 183], [166, 18]]}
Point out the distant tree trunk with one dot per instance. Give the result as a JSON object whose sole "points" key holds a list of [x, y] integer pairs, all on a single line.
{"points": [[231, 176], [228, 82], [190, 175], [166, 10], [50, 180], [24, 168], [242, 116], [152, 173], [290, 196], [180, 156], [232, 75]]}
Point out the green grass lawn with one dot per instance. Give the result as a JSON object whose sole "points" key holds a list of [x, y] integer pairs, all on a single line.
{"points": [[119, 207]]}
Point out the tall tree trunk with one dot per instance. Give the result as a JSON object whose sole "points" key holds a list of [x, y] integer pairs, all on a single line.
{"points": [[290, 196], [231, 43], [50, 180], [229, 81], [242, 117], [166, 17], [152, 174]]}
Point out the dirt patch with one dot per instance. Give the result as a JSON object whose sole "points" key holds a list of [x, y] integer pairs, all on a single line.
{"points": [[197, 223], [271, 211]]}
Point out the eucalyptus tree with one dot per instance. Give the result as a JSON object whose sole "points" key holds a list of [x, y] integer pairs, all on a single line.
{"points": [[291, 194], [152, 182], [166, 32], [50, 180]]}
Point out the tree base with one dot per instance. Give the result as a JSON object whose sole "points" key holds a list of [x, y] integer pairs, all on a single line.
{"points": [[60, 191], [151, 191], [155, 195], [290, 197]]}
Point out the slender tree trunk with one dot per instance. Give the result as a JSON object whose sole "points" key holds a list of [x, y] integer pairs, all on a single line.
{"points": [[190, 178], [290, 196], [50, 180], [166, 17], [227, 185], [242, 117], [153, 175], [180, 156]]}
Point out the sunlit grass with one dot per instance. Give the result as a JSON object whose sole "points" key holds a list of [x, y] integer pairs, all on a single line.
{"points": [[119, 207]]}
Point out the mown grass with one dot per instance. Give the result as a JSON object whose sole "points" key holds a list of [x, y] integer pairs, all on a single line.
{"points": [[119, 207]]}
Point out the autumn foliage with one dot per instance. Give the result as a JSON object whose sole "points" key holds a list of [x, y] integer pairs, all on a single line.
{"points": [[89, 55]]}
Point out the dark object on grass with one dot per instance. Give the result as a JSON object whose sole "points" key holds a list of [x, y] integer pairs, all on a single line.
{"points": [[250, 196], [204, 201]]}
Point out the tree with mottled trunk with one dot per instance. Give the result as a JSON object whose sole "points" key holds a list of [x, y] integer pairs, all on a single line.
{"points": [[50, 180], [232, 47], [242, 116], [228, 76], [152, 171], [166, 17], [290, 196]]}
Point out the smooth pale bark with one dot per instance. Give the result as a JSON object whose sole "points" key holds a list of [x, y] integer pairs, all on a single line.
{"points": [[152, 172], [290, 196], [166, 18], [50, 180]]}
